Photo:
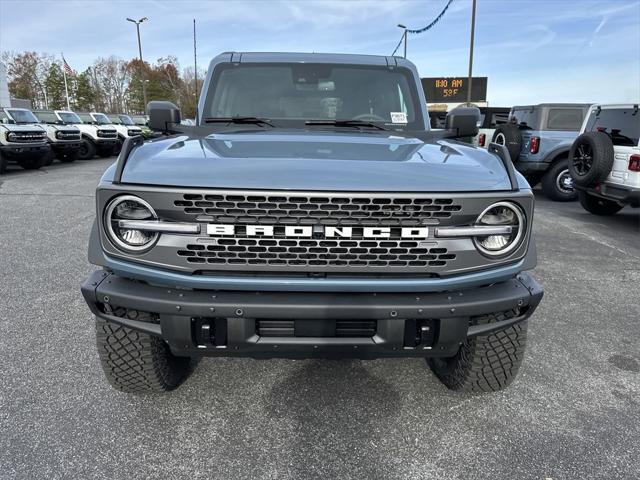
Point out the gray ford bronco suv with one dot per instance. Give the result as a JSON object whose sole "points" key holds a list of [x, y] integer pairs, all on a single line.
{"points": [[310, 212], [539, 138]]}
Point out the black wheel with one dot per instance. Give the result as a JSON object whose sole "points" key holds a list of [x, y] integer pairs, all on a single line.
{"points": [[3, 164], [32, 163], [597, 205], [68, 157], [49, 158], [136, 362], [557, 183], [533, 178], [485, 363], [591, 158], [87, 150], [118, 147], [509, 136]]}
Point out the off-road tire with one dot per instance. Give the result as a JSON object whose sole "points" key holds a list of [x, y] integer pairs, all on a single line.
{"points": [[486, 363], [3, 164], [118, 146], [48, 161], [135, 362], [591, 158], [552, 183], [87, 150], [32, 163], [68, 157], [509, 136], [597, 205]]}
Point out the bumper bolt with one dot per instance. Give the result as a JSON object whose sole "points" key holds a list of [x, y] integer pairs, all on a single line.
{"points": [[106, 299], [239, 312], [394, 314], [178, 307]]}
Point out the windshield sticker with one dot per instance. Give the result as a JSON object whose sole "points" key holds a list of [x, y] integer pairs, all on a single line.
{"points": [[398, 117]]}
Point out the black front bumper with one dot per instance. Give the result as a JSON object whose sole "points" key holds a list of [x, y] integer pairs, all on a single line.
{"points": [[617, 193], [64, 146], [17, 150], [300, 324]]}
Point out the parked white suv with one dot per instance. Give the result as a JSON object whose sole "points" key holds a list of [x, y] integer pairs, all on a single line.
{"points": [[24, 144], [101, 140], [490, 118], [124, 131], [604, 160]]}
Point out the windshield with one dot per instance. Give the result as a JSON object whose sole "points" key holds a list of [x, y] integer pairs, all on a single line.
{"points": [[294, 93], [115, 119], [22, 116], [69, 117], [101, 119], [47, 117], [125, 120], [139, 120]]}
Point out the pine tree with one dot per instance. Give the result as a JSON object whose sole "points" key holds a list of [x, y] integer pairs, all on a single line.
{"points": [[54, 86], [84, 93]]}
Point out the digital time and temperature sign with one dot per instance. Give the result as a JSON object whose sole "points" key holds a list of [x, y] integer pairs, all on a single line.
{"points": [[454, 89]]}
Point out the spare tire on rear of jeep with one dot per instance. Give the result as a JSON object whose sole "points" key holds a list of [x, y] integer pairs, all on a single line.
{"points": [[509, 136], [591, 158]]}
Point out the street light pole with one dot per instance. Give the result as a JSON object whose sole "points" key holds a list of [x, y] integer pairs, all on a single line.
{"points": [[405, 39], [473, 29], [142, 79]]}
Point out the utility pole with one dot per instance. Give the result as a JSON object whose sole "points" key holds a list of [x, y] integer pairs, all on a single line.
{"points": [[473, 29], [144, 83], [195, 61], [405, 39]]}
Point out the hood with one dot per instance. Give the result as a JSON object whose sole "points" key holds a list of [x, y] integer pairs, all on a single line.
{"points": [[314, 160], [18, 127]]}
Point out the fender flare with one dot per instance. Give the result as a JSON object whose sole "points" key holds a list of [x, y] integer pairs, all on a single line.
{"points": [[553, 156], [85, 136]]}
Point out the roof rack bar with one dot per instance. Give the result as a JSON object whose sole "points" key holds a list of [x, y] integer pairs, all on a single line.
{"points": [[129, 144], [503, 153]]}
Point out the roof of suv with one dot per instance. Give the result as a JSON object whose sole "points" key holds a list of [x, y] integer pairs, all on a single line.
{"points": [[540, 105], [349, 58]]}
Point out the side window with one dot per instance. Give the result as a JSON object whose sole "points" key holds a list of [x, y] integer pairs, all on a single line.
{"points": [[564, 119]]}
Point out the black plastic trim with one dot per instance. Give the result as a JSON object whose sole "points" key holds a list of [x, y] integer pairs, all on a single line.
{"points": [[129, 144], [503, 153]]}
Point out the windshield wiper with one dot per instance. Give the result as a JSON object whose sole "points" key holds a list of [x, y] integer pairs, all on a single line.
{"points": [[248, 120], [346, 123]]}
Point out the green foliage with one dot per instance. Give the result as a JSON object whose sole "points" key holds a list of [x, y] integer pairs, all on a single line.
{"points": [[54, 87], [83, 92]]}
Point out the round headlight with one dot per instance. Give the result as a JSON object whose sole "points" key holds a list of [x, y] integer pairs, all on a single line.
{"points": [[501, 214], [129, 207]]}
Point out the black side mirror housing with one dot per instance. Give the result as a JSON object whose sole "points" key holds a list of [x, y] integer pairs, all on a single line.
{"points": [[163, 115], [463, 121]]}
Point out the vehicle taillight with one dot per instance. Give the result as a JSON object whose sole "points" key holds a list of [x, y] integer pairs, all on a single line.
{"points": [[634, 163], [535, 145], [481, 139]]}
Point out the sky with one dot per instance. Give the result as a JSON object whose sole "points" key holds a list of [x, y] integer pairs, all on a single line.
{"points": [[532, 51]]}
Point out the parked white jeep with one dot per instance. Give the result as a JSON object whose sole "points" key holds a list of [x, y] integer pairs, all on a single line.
{"points": [[490, 118], [124, 131], [96, 139], [24, 144], [604, 160]]}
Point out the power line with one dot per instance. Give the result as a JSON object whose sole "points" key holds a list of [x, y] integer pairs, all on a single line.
{"points": [[424, 29]]}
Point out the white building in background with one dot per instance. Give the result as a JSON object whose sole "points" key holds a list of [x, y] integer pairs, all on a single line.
{"points": [[5, 100]]}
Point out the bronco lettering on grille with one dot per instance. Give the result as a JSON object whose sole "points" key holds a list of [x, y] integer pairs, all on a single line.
{"points": [[218, 229]]}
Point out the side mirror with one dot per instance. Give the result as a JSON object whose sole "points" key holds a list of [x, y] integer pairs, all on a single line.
{"points": [[463, 121], [162, 115]]}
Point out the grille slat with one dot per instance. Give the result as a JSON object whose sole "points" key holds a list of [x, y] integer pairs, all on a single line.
{"points": [[309, 252], [299, 210]]}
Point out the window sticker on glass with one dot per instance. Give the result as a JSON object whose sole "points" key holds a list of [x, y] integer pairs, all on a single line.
{"points": [[398, 117]]}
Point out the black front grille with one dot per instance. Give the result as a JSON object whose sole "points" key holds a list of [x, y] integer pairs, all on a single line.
{"points": [[333, 328], [378, 210], [316, 253], [107, 133], [26, 137]]}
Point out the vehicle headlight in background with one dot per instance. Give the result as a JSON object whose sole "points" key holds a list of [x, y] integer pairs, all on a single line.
{"points": [[501, 214], [129, 207]]}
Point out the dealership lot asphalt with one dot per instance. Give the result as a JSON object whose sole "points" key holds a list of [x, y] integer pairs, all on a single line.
{"points": [[572, 413]]}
